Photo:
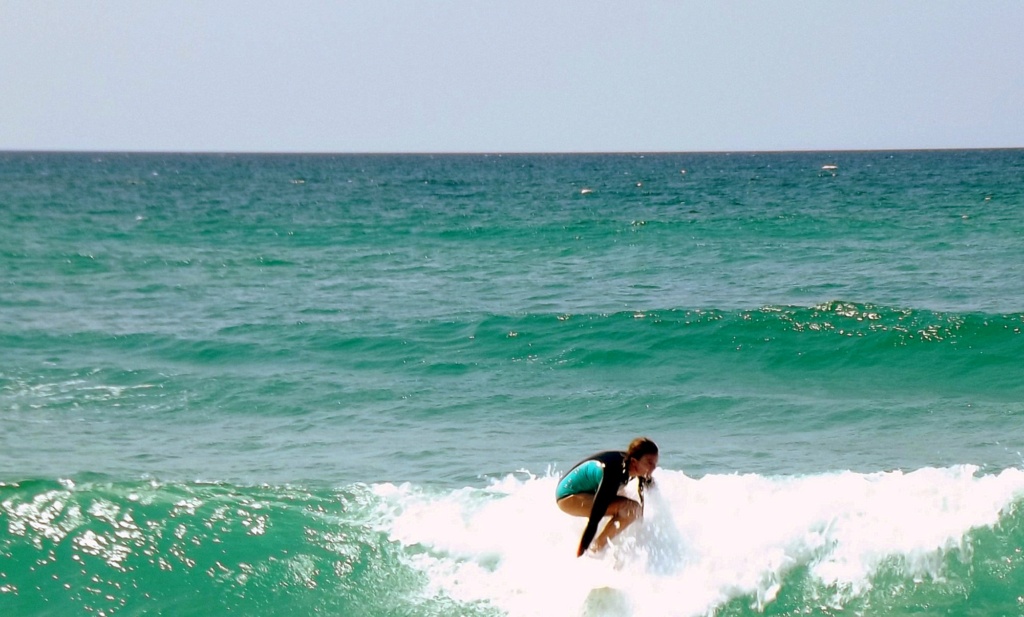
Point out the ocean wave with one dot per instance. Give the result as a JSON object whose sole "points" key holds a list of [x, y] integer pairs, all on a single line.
{"points": [[101, 547], [839, 343], [720, 544], [730, 544]]}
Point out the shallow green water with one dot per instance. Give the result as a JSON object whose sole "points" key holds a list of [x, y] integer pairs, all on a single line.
{"points": [[282, 336]]}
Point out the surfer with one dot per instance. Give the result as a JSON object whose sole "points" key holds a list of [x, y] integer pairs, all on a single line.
{"points": [[591, 490]]}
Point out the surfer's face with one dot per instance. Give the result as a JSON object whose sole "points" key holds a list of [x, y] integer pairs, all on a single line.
{"points": [[644, 466]]}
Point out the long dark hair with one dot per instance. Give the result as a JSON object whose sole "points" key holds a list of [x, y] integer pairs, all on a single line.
{"points": [[638, 448]]}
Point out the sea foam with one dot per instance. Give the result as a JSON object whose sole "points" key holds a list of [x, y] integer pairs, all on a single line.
{"points": [[703, 542]]}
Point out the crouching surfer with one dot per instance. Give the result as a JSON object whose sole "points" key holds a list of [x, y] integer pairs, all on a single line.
{"points": [[591, 490]]}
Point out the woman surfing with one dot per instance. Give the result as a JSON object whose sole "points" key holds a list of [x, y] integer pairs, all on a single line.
{"points": [[591, 490]]}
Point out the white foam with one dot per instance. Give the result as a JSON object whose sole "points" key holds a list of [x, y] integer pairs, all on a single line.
{"points": [[702, 542]]}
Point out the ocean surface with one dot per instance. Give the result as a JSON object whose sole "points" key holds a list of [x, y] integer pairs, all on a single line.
{"points": [[346, 385]]}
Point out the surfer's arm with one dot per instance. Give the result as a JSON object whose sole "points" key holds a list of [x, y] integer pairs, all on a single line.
{"points": [[643, 483], [606, 493]]}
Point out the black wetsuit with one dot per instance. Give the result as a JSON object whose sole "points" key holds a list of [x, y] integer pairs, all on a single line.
{"points": [[616, 475]]}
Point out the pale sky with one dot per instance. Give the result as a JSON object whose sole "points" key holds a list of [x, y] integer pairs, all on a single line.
{"points": [[512, 76]]}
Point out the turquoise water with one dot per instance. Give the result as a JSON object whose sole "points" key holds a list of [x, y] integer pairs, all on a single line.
{"points": [[342, 385]]}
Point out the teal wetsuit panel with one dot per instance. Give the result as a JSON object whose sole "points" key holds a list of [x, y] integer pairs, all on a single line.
{"points": [[585, 478]]}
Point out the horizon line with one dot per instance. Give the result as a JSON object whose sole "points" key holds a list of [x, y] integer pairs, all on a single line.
{"points": [[497, 152]]}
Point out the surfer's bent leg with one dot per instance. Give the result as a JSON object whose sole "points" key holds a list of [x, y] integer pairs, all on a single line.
{"points": [[579, 504], [622, 510]]}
